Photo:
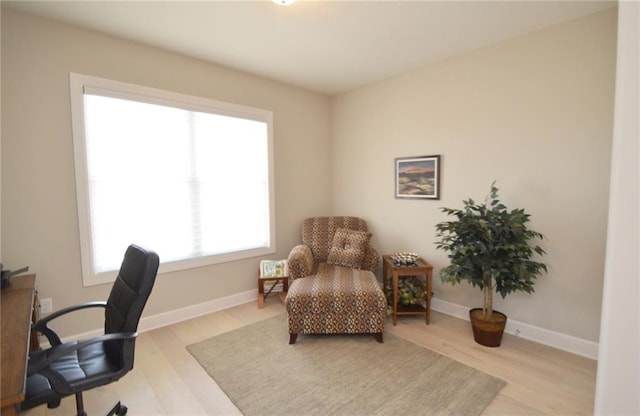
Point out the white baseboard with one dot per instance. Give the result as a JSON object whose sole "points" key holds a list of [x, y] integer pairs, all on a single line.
{"points": [[178, 315], [193, 311], [554, 339]]}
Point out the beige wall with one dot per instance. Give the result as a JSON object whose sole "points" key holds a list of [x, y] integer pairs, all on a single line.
{"points": [[534, 113], [39, 216]]}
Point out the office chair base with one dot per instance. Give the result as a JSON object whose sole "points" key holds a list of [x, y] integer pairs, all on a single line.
{"points": [[118, 410], [54, 404]]}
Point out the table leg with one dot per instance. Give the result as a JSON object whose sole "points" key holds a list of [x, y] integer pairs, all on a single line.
{"points": [[394, 283], [10, 410], [429, 277], [260, 293]]}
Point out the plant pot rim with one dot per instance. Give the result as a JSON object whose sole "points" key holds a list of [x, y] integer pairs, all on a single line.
{"points": [[495, 312], [497, 317]]}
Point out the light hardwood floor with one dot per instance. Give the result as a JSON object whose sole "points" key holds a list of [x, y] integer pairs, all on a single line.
{"points": [[167, 380]]}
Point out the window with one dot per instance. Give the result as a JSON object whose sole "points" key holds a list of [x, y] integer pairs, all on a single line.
{"points": [[187, 177]]}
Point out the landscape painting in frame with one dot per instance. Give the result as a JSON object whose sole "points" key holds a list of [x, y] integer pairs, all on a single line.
{"points": [[418, 177]]}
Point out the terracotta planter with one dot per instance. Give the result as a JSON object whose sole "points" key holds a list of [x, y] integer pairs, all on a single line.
{"points": [[487, 332]]}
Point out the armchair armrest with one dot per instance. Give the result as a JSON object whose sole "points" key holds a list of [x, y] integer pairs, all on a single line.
{"points": [[300, 261], [42, 325], [371, 259]]}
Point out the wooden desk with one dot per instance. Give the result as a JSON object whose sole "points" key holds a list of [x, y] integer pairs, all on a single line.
{"points": [[16, 306], [420, 267]]}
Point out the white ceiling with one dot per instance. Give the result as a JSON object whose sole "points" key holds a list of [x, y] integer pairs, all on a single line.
{"points": [[322, 45]]}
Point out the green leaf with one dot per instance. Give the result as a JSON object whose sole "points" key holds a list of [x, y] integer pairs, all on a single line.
{"points": [[487, 236]]}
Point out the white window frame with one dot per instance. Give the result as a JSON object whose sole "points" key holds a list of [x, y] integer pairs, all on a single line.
{"points": [[78, 85]]}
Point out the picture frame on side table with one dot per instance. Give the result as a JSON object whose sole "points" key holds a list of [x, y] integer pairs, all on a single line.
{"points": [[418, 177], [274, 268]]}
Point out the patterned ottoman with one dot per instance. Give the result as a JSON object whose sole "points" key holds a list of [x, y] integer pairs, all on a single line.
{"points": [[336, 300]]}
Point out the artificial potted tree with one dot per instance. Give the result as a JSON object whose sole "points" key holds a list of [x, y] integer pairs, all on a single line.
{"points": [[492, 248]]}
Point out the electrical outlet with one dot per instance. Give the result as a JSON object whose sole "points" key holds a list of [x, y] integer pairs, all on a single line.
{"points": [[46, 305]]}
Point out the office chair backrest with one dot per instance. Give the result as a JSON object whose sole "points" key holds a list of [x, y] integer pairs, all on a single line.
{"points": [[127, 299]]}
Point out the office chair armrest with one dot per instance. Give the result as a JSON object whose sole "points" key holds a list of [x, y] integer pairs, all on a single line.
{"points": [[54, 354], [52, 337]]}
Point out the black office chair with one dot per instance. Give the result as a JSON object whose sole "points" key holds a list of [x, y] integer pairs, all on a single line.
{"points": [[73, 367]]}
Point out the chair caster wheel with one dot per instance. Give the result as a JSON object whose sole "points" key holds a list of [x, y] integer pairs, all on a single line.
{"points": [[119, 409]]}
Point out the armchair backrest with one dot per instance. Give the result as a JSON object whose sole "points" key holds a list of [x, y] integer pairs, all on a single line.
{"points": [[317, 233]]}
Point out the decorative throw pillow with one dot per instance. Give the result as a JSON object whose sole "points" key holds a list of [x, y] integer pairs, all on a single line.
{"points": [[348, 248]]}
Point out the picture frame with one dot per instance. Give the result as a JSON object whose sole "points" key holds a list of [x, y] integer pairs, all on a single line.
{"points": [[418, 177], [274, 268]]}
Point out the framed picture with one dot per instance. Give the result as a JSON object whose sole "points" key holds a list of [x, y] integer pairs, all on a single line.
{"points": [[274, 268], [418, 177]]}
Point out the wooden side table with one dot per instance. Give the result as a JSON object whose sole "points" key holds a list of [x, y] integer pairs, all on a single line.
{"points": [[262, 296], [421, 267]]}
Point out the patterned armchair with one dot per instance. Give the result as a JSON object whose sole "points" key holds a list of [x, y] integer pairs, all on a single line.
{"points": [[333, 289]]}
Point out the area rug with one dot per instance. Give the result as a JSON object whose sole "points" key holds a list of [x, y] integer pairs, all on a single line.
{"points": [[339, 374]]}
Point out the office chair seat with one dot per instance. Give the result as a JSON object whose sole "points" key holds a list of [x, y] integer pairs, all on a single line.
{"points": [[88, 365]]}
